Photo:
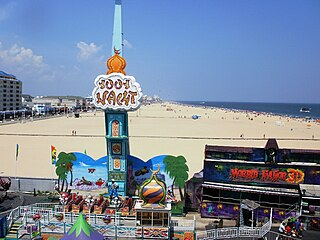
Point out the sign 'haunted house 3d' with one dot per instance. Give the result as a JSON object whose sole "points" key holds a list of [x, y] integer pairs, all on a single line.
{"points": [[273, 177]]}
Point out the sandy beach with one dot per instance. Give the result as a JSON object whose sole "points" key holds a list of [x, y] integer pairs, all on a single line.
{"points": [[155, 129]]}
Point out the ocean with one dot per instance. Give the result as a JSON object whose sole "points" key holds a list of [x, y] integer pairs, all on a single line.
{"points": [[286, 109]]}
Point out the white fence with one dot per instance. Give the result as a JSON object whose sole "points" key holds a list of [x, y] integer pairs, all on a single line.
{"points": [[122, 227]]}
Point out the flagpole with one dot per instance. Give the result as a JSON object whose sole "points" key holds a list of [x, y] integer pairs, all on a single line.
{"points": [[52, 169], [16, 167]]}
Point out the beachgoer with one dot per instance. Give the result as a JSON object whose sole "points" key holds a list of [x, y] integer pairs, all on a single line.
{"points": [[288, 229], [282, 227], [298, 227]]}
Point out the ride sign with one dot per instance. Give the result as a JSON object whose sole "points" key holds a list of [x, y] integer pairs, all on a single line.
{"points": [[117, 92]]}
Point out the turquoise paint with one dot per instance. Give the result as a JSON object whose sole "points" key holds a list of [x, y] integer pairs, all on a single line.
{"points": [[117, 28]]}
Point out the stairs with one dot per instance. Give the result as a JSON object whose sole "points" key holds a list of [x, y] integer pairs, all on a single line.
{"points": [[13, 231]]}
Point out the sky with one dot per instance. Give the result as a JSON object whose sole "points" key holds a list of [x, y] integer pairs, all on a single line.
{"points": [[188, 50]]}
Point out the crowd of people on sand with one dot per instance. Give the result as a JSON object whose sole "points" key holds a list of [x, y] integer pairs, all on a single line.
{"points": [[292, 227]]}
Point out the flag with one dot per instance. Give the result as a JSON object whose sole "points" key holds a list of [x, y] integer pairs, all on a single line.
{"points": [[53, 154], [17, 152]]}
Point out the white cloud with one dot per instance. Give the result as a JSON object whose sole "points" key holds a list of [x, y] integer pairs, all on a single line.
{"points": [[21, 59], [87, 50], [127, 44]]}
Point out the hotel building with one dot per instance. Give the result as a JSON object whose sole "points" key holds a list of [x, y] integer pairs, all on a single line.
{"points": [[10, 92]]}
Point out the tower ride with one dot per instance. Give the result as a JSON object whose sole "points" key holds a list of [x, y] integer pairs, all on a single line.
{"points": [[116, 93]]}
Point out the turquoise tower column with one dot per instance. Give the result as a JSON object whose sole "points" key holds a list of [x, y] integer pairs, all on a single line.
{"points": [[117, 41], [116, 121]]}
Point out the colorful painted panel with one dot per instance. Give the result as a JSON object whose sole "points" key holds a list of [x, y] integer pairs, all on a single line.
{"points": [[260, 174], [183, 235], [139, 171], [117, 176], [116, 148], [86, 173], [115, 128], [89, 174], [115, 123], [158, 233], [116, 163], [211, 209], [232, 211]]}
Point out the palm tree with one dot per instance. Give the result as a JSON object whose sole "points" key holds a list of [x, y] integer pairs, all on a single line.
{"points": [[177, 169], [61, 171], [64, 166], [69, 158]]}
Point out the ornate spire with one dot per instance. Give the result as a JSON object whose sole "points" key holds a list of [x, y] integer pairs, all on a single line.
{"points": [[153, 191], [116, 63]]}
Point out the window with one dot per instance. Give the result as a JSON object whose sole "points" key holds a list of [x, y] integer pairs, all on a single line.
{"points": [[4, 109], [11, 90], [17, 104], [11, 95], [4, 81], [18, 100], [4, 104], [18, 87], [18, 91], [4, 86], [4, 95], [4, 90], [11, 104]]}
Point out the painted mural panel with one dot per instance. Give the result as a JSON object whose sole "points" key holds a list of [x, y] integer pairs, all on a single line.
{"points": [[211, 209], [83, 173], [139, 171], [260, 174], [232, 211], [88, 174]]}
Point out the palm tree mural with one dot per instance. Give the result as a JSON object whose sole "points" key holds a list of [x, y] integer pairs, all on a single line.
{"points": [[63, 167], [177, 169]]}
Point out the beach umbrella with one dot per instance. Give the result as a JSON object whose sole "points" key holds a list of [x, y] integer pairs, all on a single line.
{"points": [[81, 230]]}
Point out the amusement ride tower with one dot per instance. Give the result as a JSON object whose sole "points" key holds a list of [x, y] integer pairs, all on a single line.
{"points": [[116, 93]]}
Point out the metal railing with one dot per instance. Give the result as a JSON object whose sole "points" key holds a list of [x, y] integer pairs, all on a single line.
{"points": [[292, 208], [236, 232], [279, 236], [14, 215]]}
